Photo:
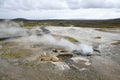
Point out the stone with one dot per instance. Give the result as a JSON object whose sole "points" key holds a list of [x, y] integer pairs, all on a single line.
{"points": [[65, 56], [77, 59], [0, 46], [81, 59], [55, 59], [48, 58], [79, 53], [59, 50], [87, 63], [61, 66]]}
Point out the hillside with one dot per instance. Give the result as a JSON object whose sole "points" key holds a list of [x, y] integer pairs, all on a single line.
{"points": [[111, 23]]}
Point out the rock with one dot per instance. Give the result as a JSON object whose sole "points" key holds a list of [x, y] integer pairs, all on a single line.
{"points": [[81, 59], [83, 69], [48, 58], [44, 30], [61, 66], [87, 63], [96, 50], [94, 54], [65, 56], [0, 46], [9, 37], [98, 37], [59, 50], [79, 53], [55, 59], [77, 59]]}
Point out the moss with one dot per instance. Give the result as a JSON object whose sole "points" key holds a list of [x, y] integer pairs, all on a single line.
{"points": [[71, 39], [28, 24], [10, 55], [98, 37], [34, 24]]}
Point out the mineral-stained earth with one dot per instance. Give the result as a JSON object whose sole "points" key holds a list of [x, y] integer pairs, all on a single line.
{"points": [[46, 53]]}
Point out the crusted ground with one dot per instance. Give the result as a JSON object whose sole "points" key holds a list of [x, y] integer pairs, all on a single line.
{"points": [[33, 58]]}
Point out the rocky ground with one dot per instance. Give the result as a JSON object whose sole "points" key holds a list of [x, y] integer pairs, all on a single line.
{"points": [[46, 53]]}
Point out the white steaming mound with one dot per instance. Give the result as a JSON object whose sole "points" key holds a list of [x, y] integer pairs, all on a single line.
{"points": [[84, 49], [11, 29]]}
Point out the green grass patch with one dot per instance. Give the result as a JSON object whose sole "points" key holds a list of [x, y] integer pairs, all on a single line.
{"points": [[35, 24], [29, 25], [76, 23], [111, 30], [10, 55], [71, 39]]}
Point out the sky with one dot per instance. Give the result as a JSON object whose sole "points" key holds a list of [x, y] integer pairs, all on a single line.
{"points": [[60, 9]]}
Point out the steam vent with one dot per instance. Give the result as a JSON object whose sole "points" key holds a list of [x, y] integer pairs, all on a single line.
{"points": [[58, 53]]}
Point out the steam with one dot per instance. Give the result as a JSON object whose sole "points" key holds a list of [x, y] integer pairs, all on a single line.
{"points": [[84, 49], [11, 29], [48, 39]]}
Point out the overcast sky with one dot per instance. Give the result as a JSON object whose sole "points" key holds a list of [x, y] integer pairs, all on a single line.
{"points": [[60, 9]]}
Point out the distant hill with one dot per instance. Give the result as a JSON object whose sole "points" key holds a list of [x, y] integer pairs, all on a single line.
{"points": [[19, 19], [22, 19], [109, 23]]}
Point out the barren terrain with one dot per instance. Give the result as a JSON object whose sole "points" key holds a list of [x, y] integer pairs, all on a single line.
{"points": [[47, 53]]}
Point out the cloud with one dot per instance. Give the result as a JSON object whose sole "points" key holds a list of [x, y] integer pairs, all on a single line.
{"points": [[33, 4], [63, 14], [58, 4], [60, 9], [77, 4]]}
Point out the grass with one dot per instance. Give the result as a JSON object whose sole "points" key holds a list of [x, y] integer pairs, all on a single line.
{"points": [[34, 24], [71, 39], [10, 55], [77, 23], [109, 30]]}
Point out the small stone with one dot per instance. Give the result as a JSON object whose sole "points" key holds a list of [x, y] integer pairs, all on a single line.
{"points": [[87, 63], [48, 58], [83, 69], [61, 66], [45, 58], [77, 59], [65, 56], [0, 46], [59, 50], [55, 59]]}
